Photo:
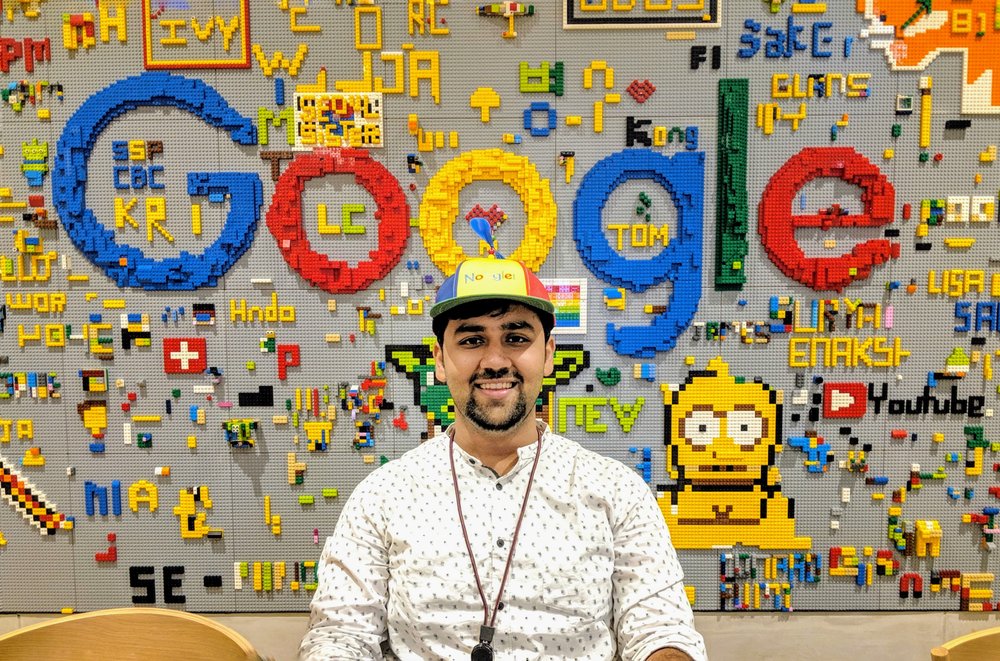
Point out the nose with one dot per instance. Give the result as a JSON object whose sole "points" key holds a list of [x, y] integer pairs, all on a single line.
{"points": [[724, 448], [495, 358]]}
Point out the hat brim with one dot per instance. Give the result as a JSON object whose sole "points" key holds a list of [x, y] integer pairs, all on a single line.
{"points": [[530, 301]]}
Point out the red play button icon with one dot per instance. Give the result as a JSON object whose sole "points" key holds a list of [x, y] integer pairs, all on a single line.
{"points": [[844, 400]]}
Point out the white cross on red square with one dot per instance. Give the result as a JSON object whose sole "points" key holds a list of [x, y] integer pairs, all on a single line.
{"points": [[184, 355]]}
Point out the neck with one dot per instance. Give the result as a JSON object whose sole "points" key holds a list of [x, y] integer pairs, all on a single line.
{"points": [[498, 451]]}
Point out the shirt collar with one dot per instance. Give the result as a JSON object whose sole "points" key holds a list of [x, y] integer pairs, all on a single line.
{"points": [[525, 453]]}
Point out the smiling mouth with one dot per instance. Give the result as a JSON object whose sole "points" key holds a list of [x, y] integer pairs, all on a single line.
{"points": [[723, 469], [496, 385]]}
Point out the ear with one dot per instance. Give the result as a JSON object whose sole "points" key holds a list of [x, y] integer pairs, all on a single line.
{"points": [[439, 369], [550, 351]]}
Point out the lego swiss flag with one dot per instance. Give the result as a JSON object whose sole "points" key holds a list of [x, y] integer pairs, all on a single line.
{"points": [[184, 355], [845, 400]]}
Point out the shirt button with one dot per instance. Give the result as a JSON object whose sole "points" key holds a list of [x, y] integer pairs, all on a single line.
{"points": [[472, 461], [500, 543], [499, 487], [500, 606]]}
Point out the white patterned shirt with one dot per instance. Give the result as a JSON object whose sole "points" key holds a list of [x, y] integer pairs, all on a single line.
{"points": [[594, 575]]}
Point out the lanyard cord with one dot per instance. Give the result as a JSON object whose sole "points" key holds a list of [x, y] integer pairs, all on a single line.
{"points": [[488, 620]]}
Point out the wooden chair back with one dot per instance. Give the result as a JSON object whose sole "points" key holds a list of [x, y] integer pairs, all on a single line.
{"points": [[976, 646], [126, 634]]}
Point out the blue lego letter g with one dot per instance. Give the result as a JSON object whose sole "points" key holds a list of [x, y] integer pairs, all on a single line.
{"points": [[682, 175], [127, 265]]}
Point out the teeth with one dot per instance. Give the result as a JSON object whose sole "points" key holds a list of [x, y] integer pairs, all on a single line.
{"points": [[496, 386]]}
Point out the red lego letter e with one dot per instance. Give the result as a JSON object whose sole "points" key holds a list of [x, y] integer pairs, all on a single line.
{"points": [[776, 224]]}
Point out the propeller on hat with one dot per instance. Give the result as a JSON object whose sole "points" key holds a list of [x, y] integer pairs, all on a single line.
{"points": [[484, 230]]}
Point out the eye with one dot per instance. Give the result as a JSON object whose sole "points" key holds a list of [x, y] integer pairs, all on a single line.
{"points": [[744, 427], [701, 427], [471, 341]]}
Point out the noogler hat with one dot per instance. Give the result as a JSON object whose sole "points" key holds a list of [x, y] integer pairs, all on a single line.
{"points": [[490, 278]]}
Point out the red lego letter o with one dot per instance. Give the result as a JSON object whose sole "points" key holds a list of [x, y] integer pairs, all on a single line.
{"points": [[284, 219]]}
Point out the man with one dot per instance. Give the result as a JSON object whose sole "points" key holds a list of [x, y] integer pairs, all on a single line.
{"points": [[499, 539]]}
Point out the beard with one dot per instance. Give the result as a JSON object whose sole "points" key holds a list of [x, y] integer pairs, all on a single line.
{"points": [[479, 416]]}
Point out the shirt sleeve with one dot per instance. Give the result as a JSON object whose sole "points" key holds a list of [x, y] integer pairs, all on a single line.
{"points": [[348, 612], [651, 609]]}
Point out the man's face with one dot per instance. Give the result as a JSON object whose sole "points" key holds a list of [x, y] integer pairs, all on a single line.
{"points": [[494, 366]]}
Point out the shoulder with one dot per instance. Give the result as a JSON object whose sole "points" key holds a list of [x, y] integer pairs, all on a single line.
{"points": [[416, 463], [605, 473]]}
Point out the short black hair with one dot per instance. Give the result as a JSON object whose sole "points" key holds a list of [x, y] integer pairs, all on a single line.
{"points": [[491, 307]]}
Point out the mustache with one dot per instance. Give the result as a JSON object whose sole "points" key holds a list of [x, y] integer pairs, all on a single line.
{"points": [[497, 374]]}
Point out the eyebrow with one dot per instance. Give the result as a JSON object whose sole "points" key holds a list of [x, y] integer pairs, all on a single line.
{"points": [[468, 327]]}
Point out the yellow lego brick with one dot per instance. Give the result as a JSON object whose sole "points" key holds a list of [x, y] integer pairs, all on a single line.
{"points": [[574, 120], [114, 303], [811, 8], [959, 242]]}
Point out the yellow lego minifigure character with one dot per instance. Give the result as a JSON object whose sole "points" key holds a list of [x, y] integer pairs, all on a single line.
{"points": [[722, 437]]}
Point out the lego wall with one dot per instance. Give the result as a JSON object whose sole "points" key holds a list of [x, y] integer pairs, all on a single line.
{"points": [[766, 225]]}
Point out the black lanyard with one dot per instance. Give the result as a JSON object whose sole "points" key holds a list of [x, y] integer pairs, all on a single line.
{"points": [[484, 650]]}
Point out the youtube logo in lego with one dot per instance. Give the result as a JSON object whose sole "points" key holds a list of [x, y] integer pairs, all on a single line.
{"points": [[844, 400]]}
